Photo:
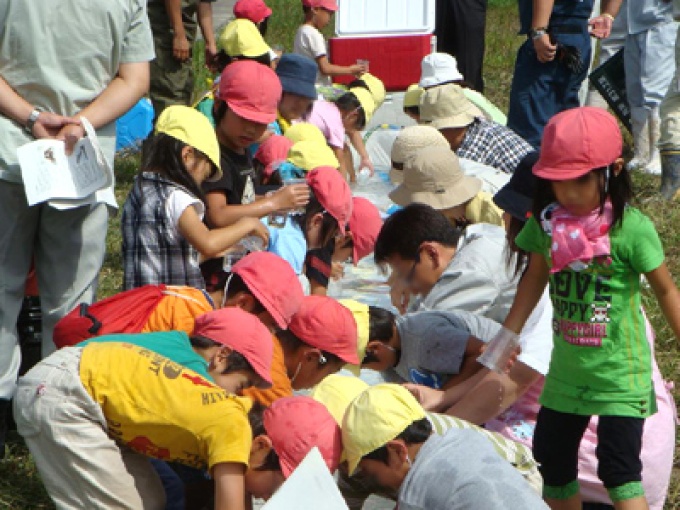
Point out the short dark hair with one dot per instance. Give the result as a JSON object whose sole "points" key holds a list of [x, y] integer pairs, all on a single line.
{"points": [[381, 323], [416, 433], [404, 232], [235, 361], [291, 343], [222, 60], [329, 226], [413, 110], [236, 285]]}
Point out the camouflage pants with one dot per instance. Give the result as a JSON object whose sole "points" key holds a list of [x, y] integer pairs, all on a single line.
{"points": [[172, 81]]}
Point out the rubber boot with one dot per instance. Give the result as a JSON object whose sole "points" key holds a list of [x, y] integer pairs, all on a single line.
{"points": [[640, 124], [670, 174], [4, 418], [654, 164]]}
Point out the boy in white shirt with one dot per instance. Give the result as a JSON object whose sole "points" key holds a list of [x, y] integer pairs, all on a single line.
{"points": [[310, 42]]}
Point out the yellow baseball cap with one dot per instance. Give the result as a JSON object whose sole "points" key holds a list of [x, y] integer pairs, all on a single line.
{"points": [[241, 38], [304, 132], [412, 96], [376, 88], [376, 416], [193, 128], [366, 100], [309, 155], [362, 318], [336, 392]]}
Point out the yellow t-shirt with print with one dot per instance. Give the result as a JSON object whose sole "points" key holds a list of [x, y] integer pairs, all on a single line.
{"points": [[163, 410]]}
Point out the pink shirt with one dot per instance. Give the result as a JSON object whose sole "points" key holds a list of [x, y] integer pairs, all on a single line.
{"points": [[326, 116]]}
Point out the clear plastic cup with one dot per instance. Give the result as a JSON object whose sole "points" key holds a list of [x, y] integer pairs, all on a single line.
{"points": [[236, 253], [252, 243], [499, 351], [363, 176], [365, 63], [290, 182]]}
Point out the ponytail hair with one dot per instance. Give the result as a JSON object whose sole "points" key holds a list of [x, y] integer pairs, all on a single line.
{"points": [[162, 154]]}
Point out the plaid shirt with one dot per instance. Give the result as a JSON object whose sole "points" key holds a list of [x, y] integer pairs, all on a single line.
{"points": [[151, 255], [494, 145]]}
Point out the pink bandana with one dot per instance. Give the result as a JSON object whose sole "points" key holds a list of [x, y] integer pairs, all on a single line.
{"points": [[576, 240]]}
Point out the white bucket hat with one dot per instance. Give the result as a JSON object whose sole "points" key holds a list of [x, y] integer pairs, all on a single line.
{"points": [[438, 68]]}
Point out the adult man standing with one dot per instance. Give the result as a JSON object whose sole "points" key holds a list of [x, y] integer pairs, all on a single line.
{"points": [[174, 25], [84, 58]]}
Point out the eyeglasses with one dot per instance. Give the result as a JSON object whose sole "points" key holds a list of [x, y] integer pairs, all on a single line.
{"points": [[409, 276]]}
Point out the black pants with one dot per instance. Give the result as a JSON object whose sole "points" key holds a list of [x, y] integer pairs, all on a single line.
{"points": [[558, 436], [460, 30]]}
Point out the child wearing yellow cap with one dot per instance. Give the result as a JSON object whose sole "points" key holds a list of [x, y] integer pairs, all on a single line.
{"points": [[162, 220]]}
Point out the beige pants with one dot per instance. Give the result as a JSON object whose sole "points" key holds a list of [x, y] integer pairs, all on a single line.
{"points": [[66, 432], [670, 109]]}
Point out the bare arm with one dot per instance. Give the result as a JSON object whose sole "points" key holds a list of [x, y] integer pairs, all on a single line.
{"points": [[229, 486], [545, 50], [529, 292], [357, 142], [493, 394], [205, 22], [334, 70], [469, 366], [212, 243], [16, 108], [180, 44], [667, 294], [221, 213], [131, 83]]}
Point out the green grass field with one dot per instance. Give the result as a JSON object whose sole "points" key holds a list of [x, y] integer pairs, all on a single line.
{"points": [[20, 487]]}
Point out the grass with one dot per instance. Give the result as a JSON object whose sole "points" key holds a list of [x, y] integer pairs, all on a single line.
{"points": [[20, 487]]}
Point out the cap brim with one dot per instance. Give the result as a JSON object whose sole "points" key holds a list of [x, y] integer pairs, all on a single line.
{"points": [[297, 86], [466, 189], [558, 174], [266, 303], [252, 115], [457, 121], [513, 203]]}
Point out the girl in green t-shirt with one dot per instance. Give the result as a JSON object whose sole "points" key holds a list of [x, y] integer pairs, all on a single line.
{"points": [[591, 246]]}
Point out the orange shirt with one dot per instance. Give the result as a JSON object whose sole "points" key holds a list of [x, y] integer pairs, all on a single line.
{"points": [[178, 310], [281, 386]]}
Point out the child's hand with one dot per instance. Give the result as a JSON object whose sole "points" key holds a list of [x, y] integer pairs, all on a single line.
{"points": [[400, 295], [429, 398], [291, 197], [257, 228], [337, 270], [357, 69]]}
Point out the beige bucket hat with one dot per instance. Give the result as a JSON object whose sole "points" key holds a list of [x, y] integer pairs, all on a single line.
{"points": [[447, 107], [433, 176]]}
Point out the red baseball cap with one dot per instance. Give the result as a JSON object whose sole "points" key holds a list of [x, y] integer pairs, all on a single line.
{"points": [[577, 141], [273, 282], [251, 90], [254, 10], [324, 323], [242, 332], [295, 425], [365, 224], [273, 149], [330, 5], [333, 193]]}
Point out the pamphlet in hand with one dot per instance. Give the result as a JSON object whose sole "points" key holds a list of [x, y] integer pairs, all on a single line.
{"points": [[49, 174], [310, 487]]}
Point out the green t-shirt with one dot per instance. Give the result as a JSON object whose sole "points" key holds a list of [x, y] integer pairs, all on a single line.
{"points": [[601, 360], [174, 345]]}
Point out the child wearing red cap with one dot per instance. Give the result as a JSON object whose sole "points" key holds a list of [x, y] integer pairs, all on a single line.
{"points": [[321, 339], [592, 247], [310, 42], [91, 416], [248, 97], [255, 11], [306, 240], [363, 229], [280, 443]]}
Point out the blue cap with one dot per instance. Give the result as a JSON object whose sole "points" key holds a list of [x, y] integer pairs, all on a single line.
{"points": [[297, 74]]}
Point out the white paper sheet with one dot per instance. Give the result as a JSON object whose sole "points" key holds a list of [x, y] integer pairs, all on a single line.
{"points": [[310, 487], [49, 174]]}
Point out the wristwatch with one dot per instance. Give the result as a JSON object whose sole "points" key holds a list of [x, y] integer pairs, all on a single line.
{"points": [[32, 118], [537, 32]]}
